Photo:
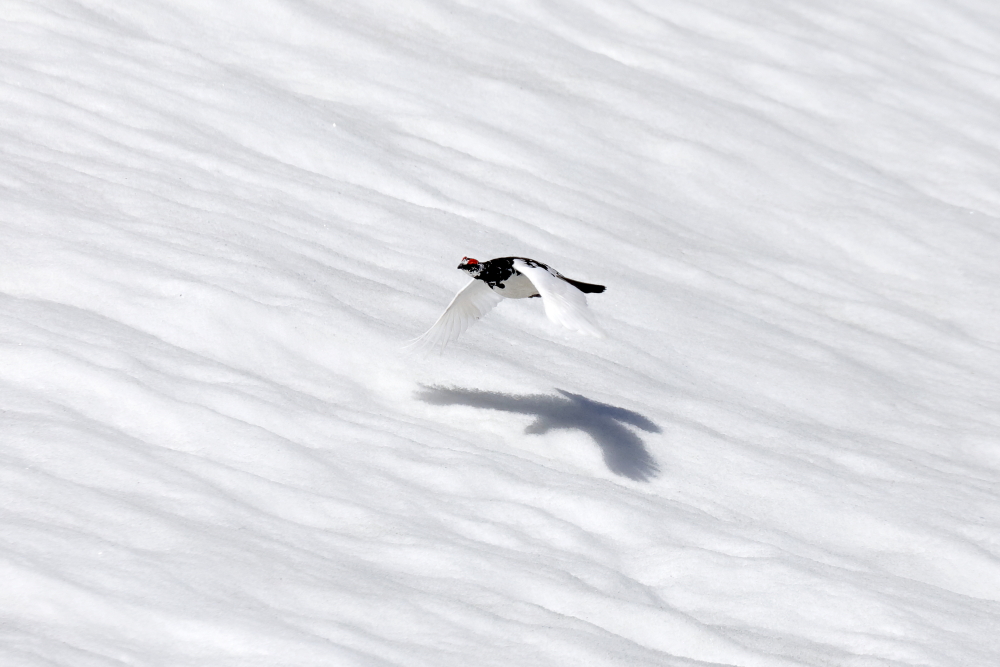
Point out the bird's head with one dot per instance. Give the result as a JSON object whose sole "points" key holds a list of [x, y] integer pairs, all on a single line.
{"points": [[471, 265]]}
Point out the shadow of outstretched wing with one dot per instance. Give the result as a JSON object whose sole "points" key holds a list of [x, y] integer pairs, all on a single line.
{"points": [[624, 451]]}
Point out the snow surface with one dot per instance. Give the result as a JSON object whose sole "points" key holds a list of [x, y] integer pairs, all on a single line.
{"points": [[221, 220]]}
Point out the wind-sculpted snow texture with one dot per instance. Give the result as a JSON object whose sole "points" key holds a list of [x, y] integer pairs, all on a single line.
{"points": [[220, 221]]}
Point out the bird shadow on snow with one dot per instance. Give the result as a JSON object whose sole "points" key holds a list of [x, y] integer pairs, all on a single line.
{"points": [[624, 452]]}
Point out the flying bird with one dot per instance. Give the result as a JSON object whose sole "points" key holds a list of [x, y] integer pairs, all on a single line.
{"points": [[513, 278]]}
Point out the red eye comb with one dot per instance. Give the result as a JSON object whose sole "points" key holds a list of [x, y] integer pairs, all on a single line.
{"points": [[469, 260]]}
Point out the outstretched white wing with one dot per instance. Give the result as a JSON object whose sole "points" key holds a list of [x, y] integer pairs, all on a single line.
{"points": [[472, 302], [564, 304]]}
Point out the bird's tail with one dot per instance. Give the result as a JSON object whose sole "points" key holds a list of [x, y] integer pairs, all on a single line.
{"points": [[587, 288]]}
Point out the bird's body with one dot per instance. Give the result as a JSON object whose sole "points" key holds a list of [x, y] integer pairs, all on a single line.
{"points": [[510, 283], [513, 278]]}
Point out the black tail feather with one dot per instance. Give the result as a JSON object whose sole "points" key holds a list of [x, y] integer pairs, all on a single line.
{"points": [[585, 287]]}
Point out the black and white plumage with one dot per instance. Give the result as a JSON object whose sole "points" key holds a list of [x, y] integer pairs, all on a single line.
{"points": [[513, 278]]}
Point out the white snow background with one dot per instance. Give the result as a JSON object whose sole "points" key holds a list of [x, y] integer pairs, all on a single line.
{"points": [[220, 221]]}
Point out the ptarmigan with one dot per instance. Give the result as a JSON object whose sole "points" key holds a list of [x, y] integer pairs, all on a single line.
{"points": [[513, 278]]}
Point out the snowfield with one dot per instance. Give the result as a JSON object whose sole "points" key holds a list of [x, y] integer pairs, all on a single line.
{"points": [[221, 221]]}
